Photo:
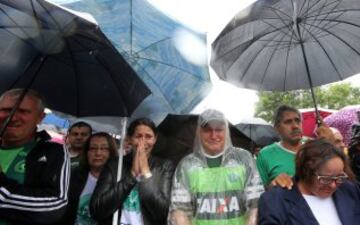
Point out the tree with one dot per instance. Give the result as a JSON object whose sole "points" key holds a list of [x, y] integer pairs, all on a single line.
{"points": [[333, 96]]}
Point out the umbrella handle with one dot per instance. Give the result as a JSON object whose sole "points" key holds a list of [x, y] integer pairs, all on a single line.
{"points": [[115, 219], [318, 117], [318, 120]]}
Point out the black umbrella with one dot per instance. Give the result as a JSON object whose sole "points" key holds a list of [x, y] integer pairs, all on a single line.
{"points": [[177, 134], [67, 59], [259, 131], [281, 45]]}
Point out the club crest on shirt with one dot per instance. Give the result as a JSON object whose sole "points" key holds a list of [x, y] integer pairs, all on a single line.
{"points": [[20, 166]]}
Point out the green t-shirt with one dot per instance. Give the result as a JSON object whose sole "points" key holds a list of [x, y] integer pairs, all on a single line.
{"points": [[83, 216], [131, 210], [274, 160], [12, 162], [214, 162]]}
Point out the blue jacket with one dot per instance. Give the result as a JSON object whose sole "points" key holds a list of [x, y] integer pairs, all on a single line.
{"points": [[280, 206]]}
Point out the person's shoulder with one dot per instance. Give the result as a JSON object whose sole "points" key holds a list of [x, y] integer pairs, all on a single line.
{"points": [[163, 162], [190, 157], [275, 192], [50, 147], [270, 149], [78, 172], [114, 161], [47, 151], [51, 144], [279, 202], [240, 152], [189, 160], [349, 187], [160, 159]]}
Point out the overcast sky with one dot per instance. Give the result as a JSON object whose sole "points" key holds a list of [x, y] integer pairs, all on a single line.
{"points": [[211, 16]]}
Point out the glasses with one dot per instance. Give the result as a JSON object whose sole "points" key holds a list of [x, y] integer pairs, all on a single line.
{"points": [[101, 148], [329, 179]]}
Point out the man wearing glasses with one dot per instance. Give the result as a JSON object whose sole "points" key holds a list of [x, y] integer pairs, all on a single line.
{"points": [[324, 190]]}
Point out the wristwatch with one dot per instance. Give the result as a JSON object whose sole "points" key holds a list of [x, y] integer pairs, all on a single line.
{"points": [[147, 175]]}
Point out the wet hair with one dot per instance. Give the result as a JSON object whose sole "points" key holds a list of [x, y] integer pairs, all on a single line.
{"points": [[279, 113], [80, 124], [84, 161], [29, 93], [141, 121], [313, 155]]}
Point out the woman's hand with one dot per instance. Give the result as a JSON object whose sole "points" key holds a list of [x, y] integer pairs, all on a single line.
{"points": [[140, 164], [143, 160], [324, 131], [135, 170]]}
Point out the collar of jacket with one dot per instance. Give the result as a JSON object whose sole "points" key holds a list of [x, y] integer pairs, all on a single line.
{"points": [[343, 200]]}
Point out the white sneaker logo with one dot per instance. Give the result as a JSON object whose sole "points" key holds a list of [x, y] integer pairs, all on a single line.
{"points": [[42, 159]]}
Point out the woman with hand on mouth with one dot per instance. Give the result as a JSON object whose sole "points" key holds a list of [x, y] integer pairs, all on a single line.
{"points": [[324, 191]]}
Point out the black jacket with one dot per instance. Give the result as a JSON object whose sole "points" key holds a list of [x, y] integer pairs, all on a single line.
{"points": [[280, 206], [43, 196], [78, 180], [154, 192]]}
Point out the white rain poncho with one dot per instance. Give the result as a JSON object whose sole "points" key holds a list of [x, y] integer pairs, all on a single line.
{"points": [[203, 195]]}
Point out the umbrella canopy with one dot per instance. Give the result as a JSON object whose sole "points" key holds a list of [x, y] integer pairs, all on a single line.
{"points": [[56, 135], [177, 134], [343, 120], [286, 45], [109, 124], [259, 131], [309, 119], [57, 121], [148, 39], [67, 59]]}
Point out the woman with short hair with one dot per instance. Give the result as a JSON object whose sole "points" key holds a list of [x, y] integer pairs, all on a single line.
{"points": [[324, 192]]}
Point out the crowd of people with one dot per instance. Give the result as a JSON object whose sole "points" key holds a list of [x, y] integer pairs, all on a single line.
{"points": [[290, 182]]}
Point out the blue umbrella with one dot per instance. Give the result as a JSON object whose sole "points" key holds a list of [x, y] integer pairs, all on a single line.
{"points": [[146, 38], [58, 121]]}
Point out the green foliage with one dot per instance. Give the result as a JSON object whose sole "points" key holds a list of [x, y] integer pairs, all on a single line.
{"points": [[334, 96]]}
